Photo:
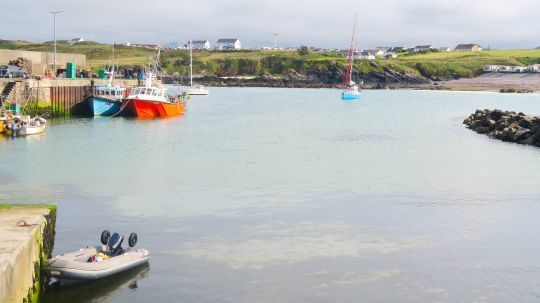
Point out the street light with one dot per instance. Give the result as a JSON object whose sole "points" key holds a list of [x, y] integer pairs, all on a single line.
{"points": [[54, 62]]}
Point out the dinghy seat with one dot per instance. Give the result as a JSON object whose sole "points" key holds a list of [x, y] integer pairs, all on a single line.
{"points": [[115, 244]]}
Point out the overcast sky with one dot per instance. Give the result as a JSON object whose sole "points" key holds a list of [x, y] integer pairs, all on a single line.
{"points": [[321, 23]]}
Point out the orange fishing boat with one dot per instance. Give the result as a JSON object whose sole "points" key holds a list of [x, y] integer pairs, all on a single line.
{"points": [[153, 102]]}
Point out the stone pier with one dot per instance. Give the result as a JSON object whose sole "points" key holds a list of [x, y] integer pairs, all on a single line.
{"points": [[26, 240]]}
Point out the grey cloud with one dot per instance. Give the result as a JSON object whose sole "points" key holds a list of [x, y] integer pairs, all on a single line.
{"points": [[508, 24]]}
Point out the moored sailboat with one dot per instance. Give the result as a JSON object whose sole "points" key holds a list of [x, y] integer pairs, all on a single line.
{"points": [[351, 90], [194, 89]]}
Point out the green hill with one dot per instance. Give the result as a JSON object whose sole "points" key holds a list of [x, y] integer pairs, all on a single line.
{"points": [[433, 65]]}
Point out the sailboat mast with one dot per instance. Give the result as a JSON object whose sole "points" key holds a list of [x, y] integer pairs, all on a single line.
{"points": [[348, 76], [353, 47], [191, 62]]}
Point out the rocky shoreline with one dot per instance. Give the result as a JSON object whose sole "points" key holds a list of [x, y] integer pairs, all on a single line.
{"points": [[506, 126], [328, 79]]}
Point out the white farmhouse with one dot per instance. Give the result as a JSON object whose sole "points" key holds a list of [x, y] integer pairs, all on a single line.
{"points": [[422, 48], [366, 55], [228, 44], [389, 55], [76, 40], [200, 44], [378, 52]]}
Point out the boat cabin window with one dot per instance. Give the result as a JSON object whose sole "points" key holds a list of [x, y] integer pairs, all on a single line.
{"points": [[155, 92]]}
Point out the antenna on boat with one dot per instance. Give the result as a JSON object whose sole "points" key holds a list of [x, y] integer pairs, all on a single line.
{"points": [[191, 62]]}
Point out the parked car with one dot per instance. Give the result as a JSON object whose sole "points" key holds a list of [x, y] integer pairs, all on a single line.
{"points": [[12, 71]]}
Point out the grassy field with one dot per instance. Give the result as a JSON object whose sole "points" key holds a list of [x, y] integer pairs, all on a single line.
{"points": [[254, 63], [97, 54]]}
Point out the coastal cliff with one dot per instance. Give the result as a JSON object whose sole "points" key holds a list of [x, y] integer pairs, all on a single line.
{"points": [[327, 78], [506, 126]]}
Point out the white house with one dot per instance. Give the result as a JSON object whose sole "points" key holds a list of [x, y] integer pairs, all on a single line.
{"points": [[228, 44], [200, 44], [378, 52], [366, 55], [389, 55], [423, 48], [76, 40], [345, 53], [473, 47], [445, 49]]}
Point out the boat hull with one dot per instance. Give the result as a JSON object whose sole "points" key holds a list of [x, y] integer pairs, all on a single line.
{"points": [[155, 109], [32, 130], [70, 270], [350, 96], [198, 92], [104, 107]]}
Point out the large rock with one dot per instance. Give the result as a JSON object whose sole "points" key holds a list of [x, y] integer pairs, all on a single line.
{"points": [[506, 126]]}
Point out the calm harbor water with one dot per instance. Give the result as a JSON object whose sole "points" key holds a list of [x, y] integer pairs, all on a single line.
{"points": [[291, 195]]}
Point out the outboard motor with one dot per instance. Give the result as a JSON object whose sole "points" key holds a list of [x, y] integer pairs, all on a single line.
{"points": [[115, 244]]}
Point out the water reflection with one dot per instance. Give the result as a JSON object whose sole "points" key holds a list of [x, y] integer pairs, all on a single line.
{"points": [[100, 290], [260, 195]]}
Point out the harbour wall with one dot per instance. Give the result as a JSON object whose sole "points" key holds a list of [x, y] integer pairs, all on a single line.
{"points": [[27, 241], [41, 61], [58, 97]]}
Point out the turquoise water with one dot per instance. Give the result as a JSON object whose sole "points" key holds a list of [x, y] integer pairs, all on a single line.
{"points": [[292, 195]]}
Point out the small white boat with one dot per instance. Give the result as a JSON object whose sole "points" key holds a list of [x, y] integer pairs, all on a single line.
{"points": [[25, 126], [194, 90], [32, 126], [197, 90], [93, 263]]}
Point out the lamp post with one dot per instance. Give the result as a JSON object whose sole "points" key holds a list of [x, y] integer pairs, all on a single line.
{"points": [[54, 18]]}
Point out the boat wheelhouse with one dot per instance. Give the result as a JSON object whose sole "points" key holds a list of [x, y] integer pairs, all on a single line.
{"points": [[106, 100]]}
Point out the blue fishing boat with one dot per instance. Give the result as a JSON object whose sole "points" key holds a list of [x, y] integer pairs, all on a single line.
{"points": [[106, 100], [351, 90]]}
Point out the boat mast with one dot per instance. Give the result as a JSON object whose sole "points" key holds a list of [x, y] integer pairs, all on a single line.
{"points": [[111, 68], [348, 76], [191, 62]]}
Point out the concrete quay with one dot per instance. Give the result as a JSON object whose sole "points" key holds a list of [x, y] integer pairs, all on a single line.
{"points": [[27, 239]]}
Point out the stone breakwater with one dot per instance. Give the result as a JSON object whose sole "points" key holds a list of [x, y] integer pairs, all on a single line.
{"points": [[506, 126]]}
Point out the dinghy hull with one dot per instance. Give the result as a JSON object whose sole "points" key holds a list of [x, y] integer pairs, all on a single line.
{"points": [[73, 268]]}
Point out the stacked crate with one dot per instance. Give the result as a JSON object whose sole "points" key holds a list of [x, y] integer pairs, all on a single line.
{"points": [[71, 70]]}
